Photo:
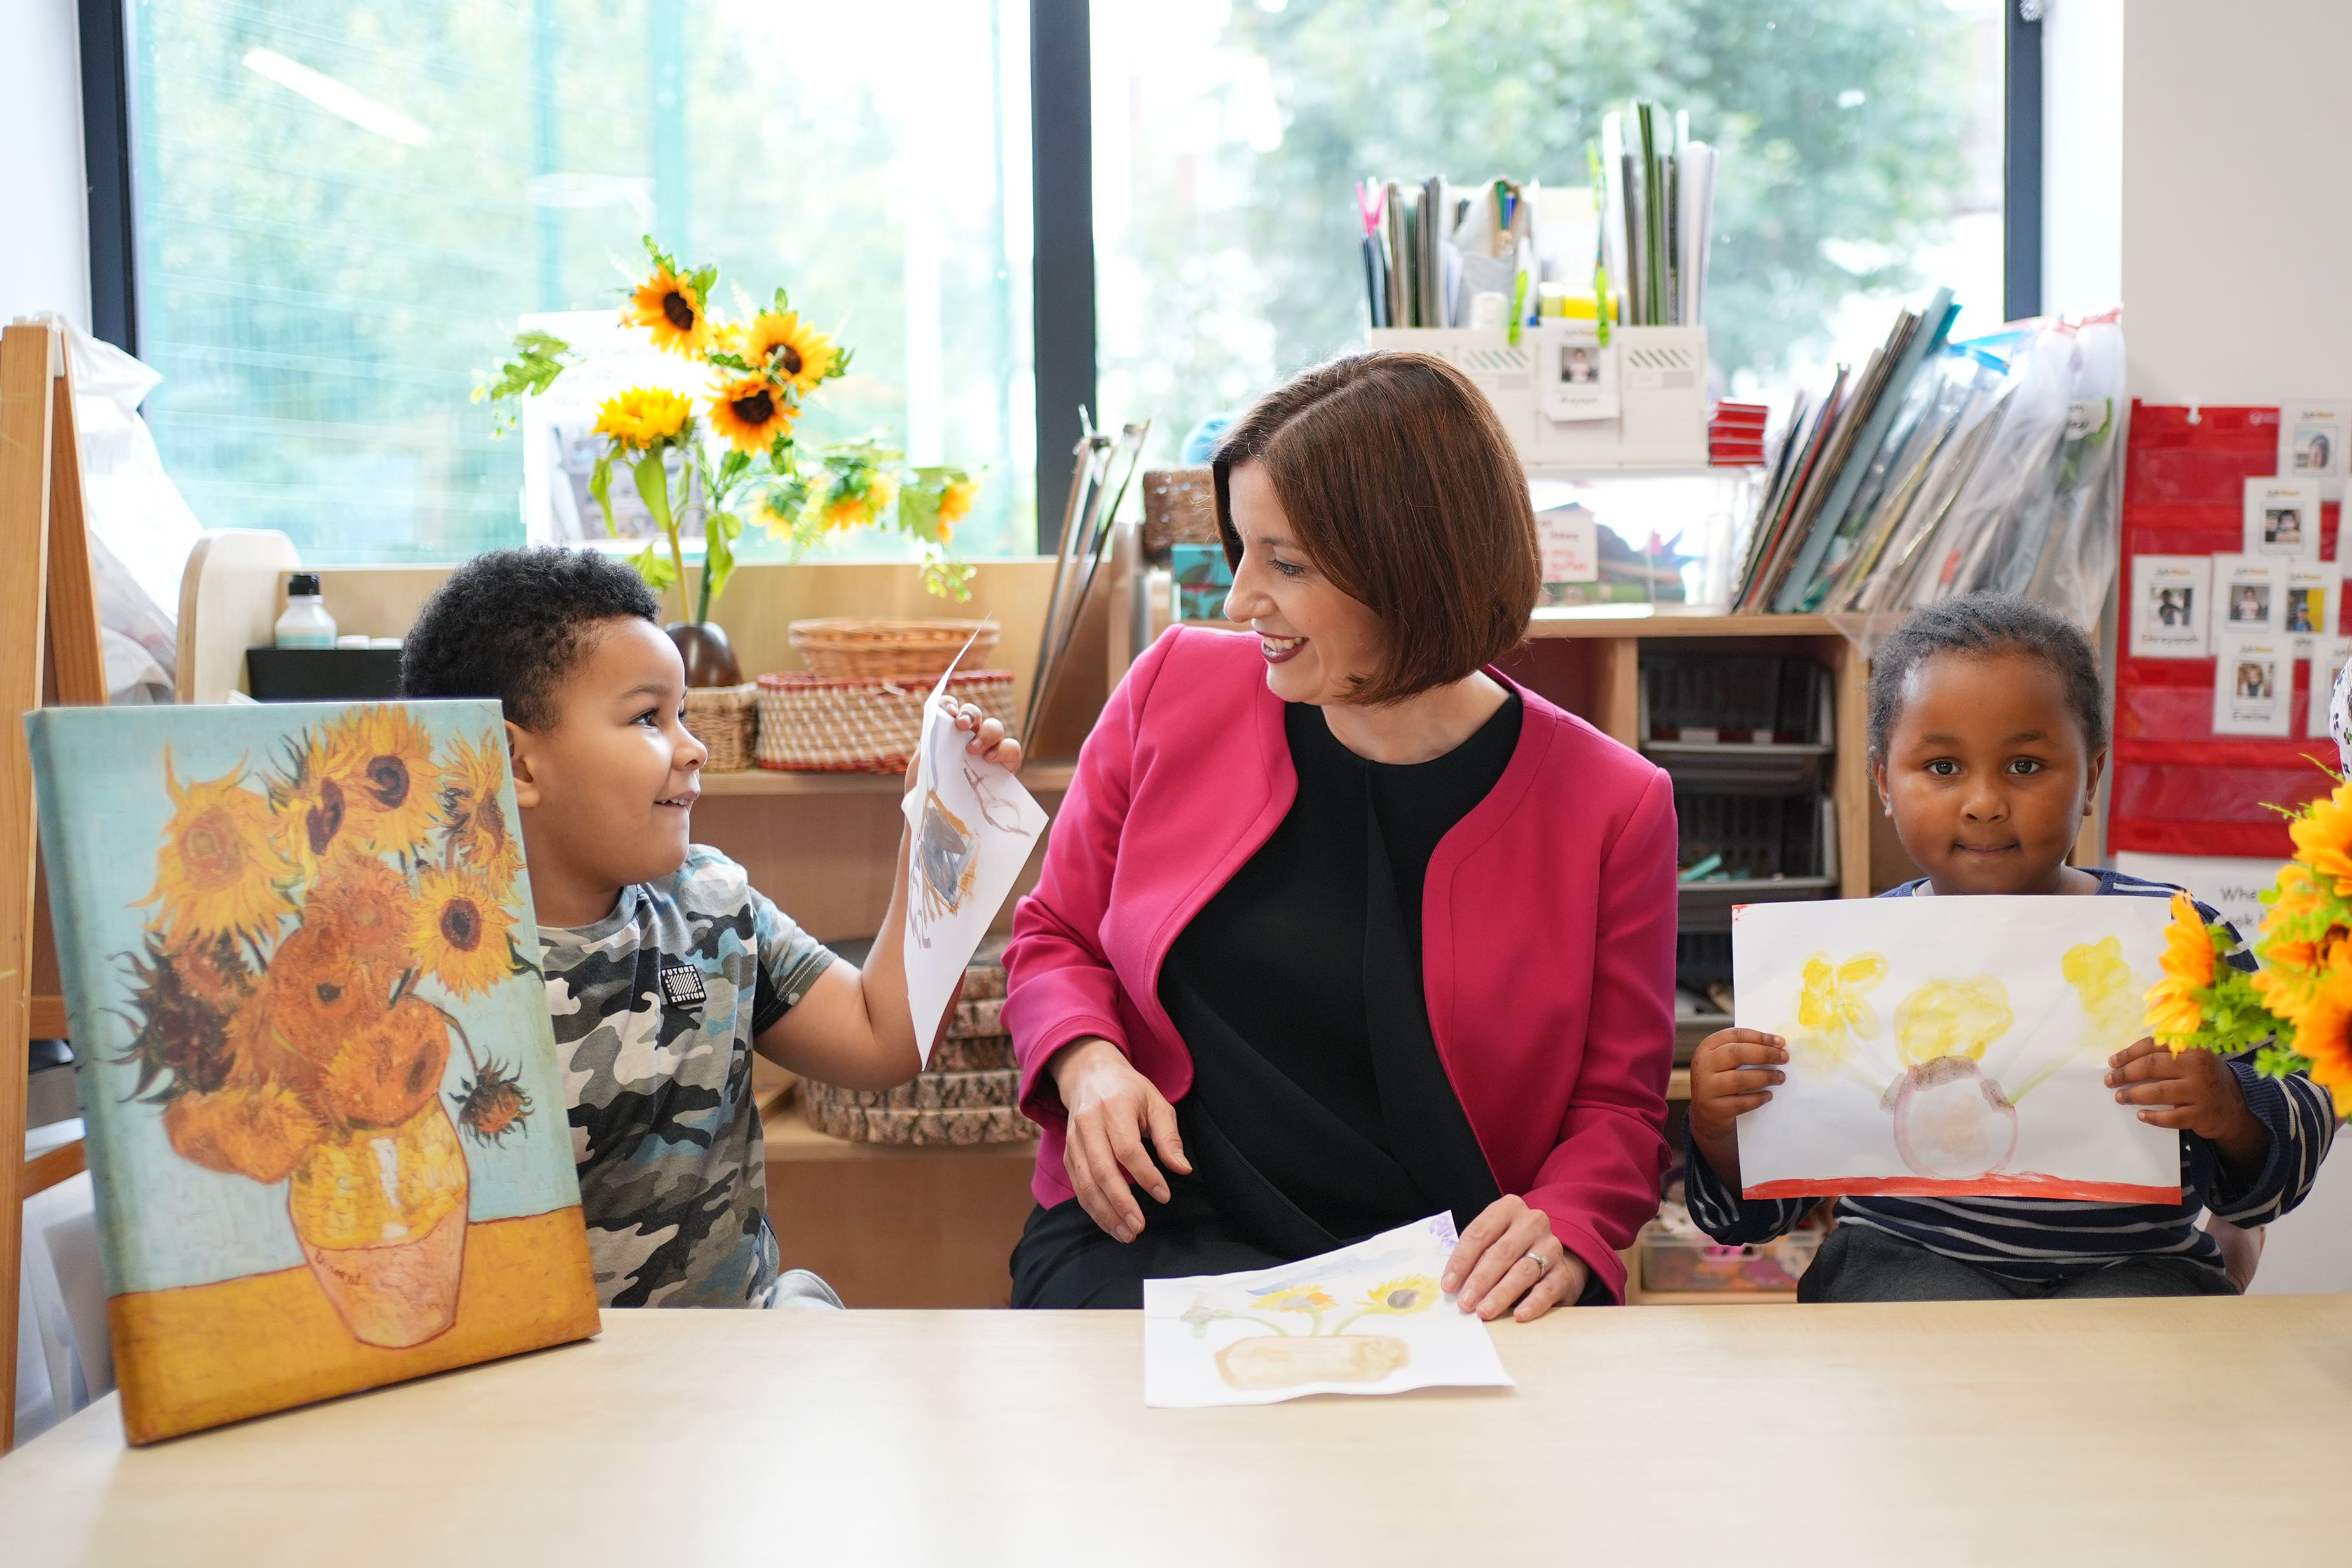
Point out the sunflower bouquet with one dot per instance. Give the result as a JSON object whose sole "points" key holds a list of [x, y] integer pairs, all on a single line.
{"points": [[738, 452], [2295, 1011], [282, 998]]}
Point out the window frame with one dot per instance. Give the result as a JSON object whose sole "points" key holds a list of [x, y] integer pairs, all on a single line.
{"points": [[1061, 154]]}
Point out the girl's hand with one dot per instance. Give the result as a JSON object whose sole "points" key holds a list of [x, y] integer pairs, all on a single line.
{"points": [[988, 742], [1507, 1254], [2195, 1092], [1731, 1072], [1112, 1107]]}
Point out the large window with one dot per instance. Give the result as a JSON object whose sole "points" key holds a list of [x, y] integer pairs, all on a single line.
{"points": [[342, 213], [1860, 147]]}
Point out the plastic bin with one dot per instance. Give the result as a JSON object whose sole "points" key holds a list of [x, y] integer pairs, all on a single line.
{"points": [[1672, 1259]]}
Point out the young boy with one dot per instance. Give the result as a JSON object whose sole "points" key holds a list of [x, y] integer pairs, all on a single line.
{"points": [[1988, 732], [664, 968]]}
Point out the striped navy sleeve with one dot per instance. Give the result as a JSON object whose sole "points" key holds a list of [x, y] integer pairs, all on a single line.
{"points": [[2301, 1120], [1718, 1208]]}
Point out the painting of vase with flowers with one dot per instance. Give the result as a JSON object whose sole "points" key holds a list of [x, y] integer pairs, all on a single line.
{"points": [[326, 1122]]}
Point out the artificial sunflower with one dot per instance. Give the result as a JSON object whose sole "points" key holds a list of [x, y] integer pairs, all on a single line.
{"points": [[473, 814], [955, 502], [643, 417], [2187, 944], [218, 872], [751, 411], [795, 352], [460, 932], [1405, 1293], [2323, 837], [670, 309], [2323, 1037], [368, 903], [2174, 1016], [382, 761]]}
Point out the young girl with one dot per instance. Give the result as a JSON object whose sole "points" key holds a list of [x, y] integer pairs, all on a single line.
{"points": [[1987, 733]]}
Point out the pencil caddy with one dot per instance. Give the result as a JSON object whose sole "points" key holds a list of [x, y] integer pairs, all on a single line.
{"points": [[1662, 381]]}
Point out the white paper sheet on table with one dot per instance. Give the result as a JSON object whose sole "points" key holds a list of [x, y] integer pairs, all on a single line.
{"points": [[971, 827], [1951, 1046], [1367, 1319]]}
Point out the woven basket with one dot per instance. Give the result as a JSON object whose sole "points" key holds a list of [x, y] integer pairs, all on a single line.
{"points": [[809, 723], [1180, 507], [723, 719], [847, 650]]}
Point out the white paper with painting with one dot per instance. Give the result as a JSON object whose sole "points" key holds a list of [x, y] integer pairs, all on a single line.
{"points": [[1951, 1046], [971, 827], [1367, 1319]]}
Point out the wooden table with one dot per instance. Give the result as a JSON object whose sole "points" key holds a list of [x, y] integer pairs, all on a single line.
{"points": [[2195, 1432]]}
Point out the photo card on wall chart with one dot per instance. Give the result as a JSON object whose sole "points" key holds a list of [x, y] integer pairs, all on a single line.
{"points": [[2310, 603], [2249, 596], [2281, 518], [2171, 604], [2253, 686], [2312, 433], [2328, 657]]}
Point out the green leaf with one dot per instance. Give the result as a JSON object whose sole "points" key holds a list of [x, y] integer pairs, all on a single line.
{"points": [[600, 484], [719, 532], [946, 579], [536, 360], [653, 565], [653, 486]]}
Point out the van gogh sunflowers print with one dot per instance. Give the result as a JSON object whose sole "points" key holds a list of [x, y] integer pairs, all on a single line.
{"points": [[331, 1002]]}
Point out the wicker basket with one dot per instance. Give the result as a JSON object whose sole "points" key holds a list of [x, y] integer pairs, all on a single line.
{"points": [[1180, 507], [809, 723], [847, 650], [723, 719]]}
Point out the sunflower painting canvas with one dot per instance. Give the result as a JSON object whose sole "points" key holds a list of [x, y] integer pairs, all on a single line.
{"points": [[325, 1117]]}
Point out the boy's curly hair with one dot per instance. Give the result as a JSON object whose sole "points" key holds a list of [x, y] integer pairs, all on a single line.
{"points": [[510, 624], [1985, 623]]}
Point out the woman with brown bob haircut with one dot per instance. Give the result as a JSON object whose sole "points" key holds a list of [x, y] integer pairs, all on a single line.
{"points": [[1318, 946]]}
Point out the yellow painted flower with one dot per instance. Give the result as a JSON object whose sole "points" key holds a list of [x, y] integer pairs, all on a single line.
{"points": [[370, 905], [955, 502], [2323, 837], [795, 351], [643, 417], [861, 506], [218, 872], [670, 309], [308, 807], [1951, 1018], [1832, 1001], [1405, 1293], [459, 933], [473, 816], [1296, 1299], [750, 412], [382, 761]]}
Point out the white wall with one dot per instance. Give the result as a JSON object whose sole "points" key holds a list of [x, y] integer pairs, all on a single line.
{"points": [[45, 243], [2237, 227]]}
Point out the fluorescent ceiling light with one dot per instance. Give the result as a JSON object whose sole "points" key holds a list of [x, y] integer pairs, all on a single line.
{"points": [[335, 98]]}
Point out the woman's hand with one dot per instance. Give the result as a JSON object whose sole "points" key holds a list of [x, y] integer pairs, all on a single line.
{"points": [[1112, 1107], [1731, 1072], [1509, 1254]]}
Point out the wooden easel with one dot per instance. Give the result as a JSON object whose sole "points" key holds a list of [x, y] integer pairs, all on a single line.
{"points": [[48, 652]]}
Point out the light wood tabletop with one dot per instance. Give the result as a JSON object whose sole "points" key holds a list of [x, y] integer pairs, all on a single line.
{"points": [[2197, 1431]]}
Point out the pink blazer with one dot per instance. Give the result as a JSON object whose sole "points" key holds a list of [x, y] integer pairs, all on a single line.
{"points": [[1548, 917]]}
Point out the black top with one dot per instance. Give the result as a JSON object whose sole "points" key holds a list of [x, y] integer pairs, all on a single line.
{"points": [[1319, 1112]]}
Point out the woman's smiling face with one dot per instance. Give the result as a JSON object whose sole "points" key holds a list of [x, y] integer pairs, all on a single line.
{"points": [[1318, 642]]}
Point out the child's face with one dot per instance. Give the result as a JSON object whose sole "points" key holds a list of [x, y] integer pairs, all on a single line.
{"points": [[606, 790], [1986, 773]]}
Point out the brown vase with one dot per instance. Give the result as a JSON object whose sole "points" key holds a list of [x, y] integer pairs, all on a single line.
{"points": [[709, 659]]}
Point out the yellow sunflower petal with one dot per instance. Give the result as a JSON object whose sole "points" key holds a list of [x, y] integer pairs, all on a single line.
{"points": [[219, 871], [750, 412], [670, 309], [459, 931]]}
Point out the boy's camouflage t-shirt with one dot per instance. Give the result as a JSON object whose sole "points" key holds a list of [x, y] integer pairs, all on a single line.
{"points": [[655, 1007]]}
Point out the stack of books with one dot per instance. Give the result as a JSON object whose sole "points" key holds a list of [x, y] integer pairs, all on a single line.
{"points": [[1735, 435]]}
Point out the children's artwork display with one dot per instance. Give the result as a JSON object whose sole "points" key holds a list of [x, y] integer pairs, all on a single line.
{"points": [[1953, 1046], [2253, 686], [326, 1122], [1366, 1319], [971, 827]]}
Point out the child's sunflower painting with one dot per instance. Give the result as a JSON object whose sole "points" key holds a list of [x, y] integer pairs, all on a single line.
{"points": [[315, 1059]]}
